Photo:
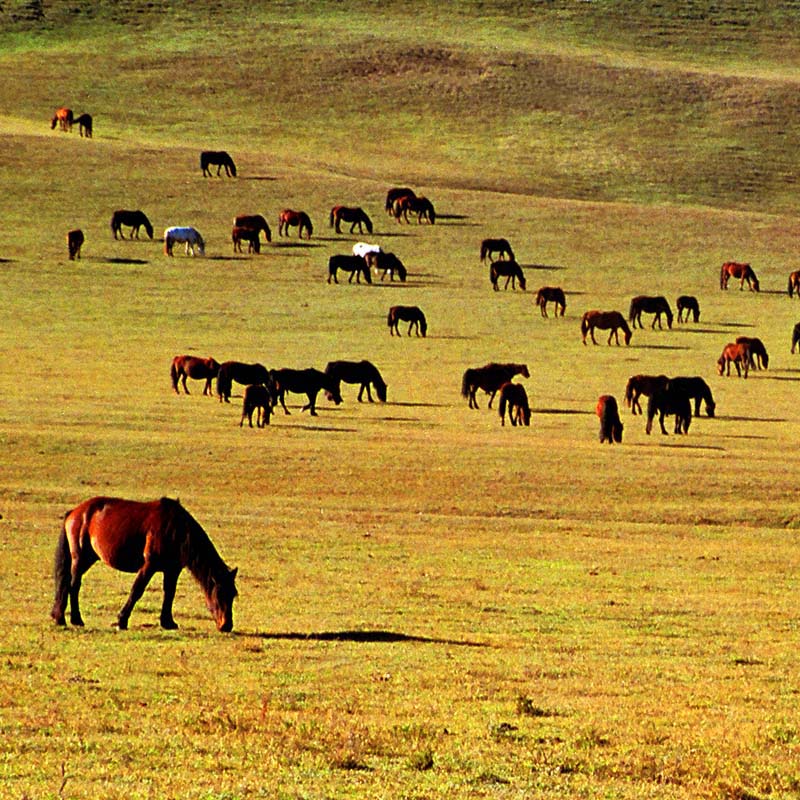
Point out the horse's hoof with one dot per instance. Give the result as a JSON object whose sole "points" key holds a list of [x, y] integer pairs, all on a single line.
{"points": [[169, 625]]}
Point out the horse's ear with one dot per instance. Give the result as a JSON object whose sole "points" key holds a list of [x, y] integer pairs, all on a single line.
{"points": [[234, 573]]}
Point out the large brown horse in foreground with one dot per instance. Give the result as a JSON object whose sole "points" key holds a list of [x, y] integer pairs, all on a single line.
{"points": [[610, 423], [145, 538], [742, 272], [605, 320], [514, 398], [489, 378], [194, 367]]}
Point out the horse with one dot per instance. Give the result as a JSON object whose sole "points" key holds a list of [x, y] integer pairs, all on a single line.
{"points": [[355, 216], [515, 398], [63, 118], [395, 194], [255, 221], [145, 538], [420, 206], [75, 240], [499, 246], [610, 424], [605, 320], [132, 219], [508, 269], [669, 401], [218, 159], [388, 262], [795, 336], [305, 381], [363, 249], [551, 294], [696, 388], [736, 354], [230, 371], [639, 385], [361, 372], [686, 303], [241, 234], [294, 219], [84, 122], [759, 358], [489, 378], [258, 398], [355, 265], [184, 235], [194, 367], [743, 272], [649, 305], [410, 314], [794, 283]]}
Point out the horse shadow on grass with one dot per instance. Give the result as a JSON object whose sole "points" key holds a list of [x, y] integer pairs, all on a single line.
{"points": [[376, 636], [658, 347], [138, 261], [258, 178], [546, 268]]}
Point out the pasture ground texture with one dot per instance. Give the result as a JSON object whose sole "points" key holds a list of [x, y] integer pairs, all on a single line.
{"points": [[430, 605]]}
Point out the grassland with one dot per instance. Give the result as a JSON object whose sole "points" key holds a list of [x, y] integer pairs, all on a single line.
{"points": [[430, 605]]}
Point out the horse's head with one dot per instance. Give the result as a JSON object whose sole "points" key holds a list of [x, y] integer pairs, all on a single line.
{"points": [[628, 334], [53, 122], [201, 245], [524, 371], [721, 364], [423, 324], [333, 390], [754, 281], [525, 414], [710, 407], [521, 279], [220, 600], [616, 431]]}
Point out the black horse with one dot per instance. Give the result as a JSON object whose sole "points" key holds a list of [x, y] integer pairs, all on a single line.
{"points": [[245, 374], [305, 381], [510, 270], [688, 304], [697, 389], [218, 159], [132, 219], [489, 378], [355, 265], [669, 401], [649, 305], [361, 372], [413, 315]]}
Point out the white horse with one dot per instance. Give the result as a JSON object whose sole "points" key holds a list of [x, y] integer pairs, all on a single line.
{"points": [[362, 248], [189, 236]]}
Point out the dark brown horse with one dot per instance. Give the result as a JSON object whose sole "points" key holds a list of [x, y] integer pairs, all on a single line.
{"points": [[355, 216], [75, 240], [509, 270], [245, 374], [759, 358], [412, 315], [219, 159], [145, 538], [305, 381], [686, 304], [794, 283], [639, 385], [605, 320], [649, 305], [131, 219], [610, 423], [355, 265], [736, 354], [294, 219], [395, 194], [63, 118], [489, 378], [795, 336], [358, 372], [85, 125], [742, 272], [420, 206], [194, 367], [501, 247], [387, 263], [255, 221], [695, 388], [669, 401], [241, 234], [259, 399], [551, 294], [514, 397]]}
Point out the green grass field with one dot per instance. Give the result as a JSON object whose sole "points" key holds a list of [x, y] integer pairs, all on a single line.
{"points": [[431, 605]]}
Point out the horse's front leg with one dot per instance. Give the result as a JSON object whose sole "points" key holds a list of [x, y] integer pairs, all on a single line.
{"points": [[140, 582], [491, 398], [661, 422], [170, 584], [280, 399]]}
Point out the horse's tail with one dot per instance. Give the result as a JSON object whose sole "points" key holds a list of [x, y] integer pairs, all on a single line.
{"points": [[629, 392], [114, 231], [484, 249], [722, 277], [62, 573], [332, 218], [390, 317], [585, 324], [632, 309], [466, 383], [791, 286], [173, 373], [167, 245]]}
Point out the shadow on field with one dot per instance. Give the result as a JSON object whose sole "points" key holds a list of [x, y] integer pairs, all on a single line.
{"points": [[367, 637], [229, 258], [730, 418], [734, 324], [295, 244], [417, 405], [126, 261], [775, 377], [561, 411], [258, 177], [698, 330], [773, 291], [455, 217], [6, 260], [658, 347], [546, 267]]}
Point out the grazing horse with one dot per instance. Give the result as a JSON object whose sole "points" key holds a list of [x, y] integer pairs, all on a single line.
{"points": [[218, 159], [194, 367], [361, 372], [75, 240], [795, 336], [551, 294], [639, 385], [605, 320], [85, 125], [514, 396], [255, 221], [743, 272], [132, 219], [355, 216], [363, 249], [738, 355], [395, 194], [696, 388], [184, 235], [294, 219], [669, 401], [258, 398], [686, 303], [759, 358], [63, 118], [412, 315], [500, 246], [489, 378], [420, 206], [794, 283], [241, 234], [245, 374], [355, 265], [145, 538], [610, 423], [508, 269], [305, 381], [388, 262], [649, 305]]}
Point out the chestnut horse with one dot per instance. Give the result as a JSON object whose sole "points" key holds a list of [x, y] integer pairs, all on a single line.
{"points": [[669, 401], [686, 304], [395, 194], [412, 315], [258, 398], [610, 423], [75, 240], [605, 320], [697, 389], [639, 385], [355, 265], [84, 122], [132, 219], [759, 358], [489, 378], [515, 398], [199, 369], [736, 354], [420, 206], [294, 219], [742, 272], [230, 371], [510, 270], [63, 118], [145, 538], [387, 262], [305, 381], [240, 233], [500, 246], [355, 216], [218, 159], [649, 305], [255, 221], [361, 372], [551, 294]]}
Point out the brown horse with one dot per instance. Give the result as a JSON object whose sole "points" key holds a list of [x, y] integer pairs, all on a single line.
{"points": [[131, 219], [412, 315], [610, 423], [649, 305], [305, 381], [361, 372], [75, 240], [255, 221], [795, 336], [257, 398], [294, 219], [759, 358], [639, 385], [489, 378], [736, 354], [510, 270], [668, 401], [420, 206], [63, 118], [794, 283], [355, 216], [194, 367], [551, 294], [386, 262], [241, 234], [394, 194], [499, 246], [84, 122], [605, 320], [514, 397], [686, 304], [218, 159], [145, 538], [236, 371], [742, 272]]}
